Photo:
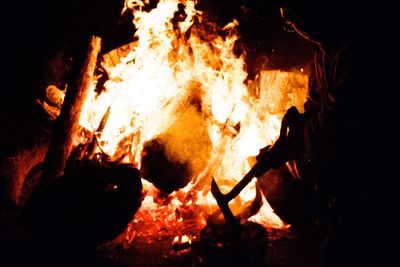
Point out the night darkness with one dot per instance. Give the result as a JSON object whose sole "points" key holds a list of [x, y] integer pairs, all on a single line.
{"points": [[40, 37]]}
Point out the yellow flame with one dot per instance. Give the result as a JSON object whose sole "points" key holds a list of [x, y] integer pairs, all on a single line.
{"points": [[183, 79]]}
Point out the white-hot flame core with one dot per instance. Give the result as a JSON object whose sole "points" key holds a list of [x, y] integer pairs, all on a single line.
{"points": [[174, 63]]}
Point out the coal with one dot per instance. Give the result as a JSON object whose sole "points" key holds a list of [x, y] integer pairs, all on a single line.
{"points": [[88, 205]]}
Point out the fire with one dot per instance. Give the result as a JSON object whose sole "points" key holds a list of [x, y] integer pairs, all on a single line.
{"points": [[182, 83]]}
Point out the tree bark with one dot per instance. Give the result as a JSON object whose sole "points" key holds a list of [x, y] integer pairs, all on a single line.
{"points": [[67, 124]]}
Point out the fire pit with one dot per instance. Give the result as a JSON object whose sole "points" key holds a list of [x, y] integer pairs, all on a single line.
{"points": [[178, 105], [183, 110]]}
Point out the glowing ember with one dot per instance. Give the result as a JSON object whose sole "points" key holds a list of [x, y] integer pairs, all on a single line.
{"points": [[182, 83]]}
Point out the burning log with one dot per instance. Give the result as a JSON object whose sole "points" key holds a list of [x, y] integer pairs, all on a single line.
{"points": [[171, 160], [88, 205], [67, 123], [167, 175]]}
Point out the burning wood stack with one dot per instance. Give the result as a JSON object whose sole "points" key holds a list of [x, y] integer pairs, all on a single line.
{"points": [[175, 108]]}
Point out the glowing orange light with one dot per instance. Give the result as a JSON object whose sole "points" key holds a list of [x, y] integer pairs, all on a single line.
{"points": [[172, 74]]}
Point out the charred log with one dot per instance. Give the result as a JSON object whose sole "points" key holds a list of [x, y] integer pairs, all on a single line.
{"points": [[167, 175], [90, 204], [172, 159]]}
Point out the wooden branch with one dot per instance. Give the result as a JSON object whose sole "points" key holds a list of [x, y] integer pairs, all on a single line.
{"points": [[67, 124]]}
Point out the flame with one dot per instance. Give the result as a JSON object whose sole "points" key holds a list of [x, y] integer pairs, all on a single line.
{"points": [[181, 81]]}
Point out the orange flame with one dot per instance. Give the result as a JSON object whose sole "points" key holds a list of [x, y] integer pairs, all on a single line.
{"points": [[182, 80]]}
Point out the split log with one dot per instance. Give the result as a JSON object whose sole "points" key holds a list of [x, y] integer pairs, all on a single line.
{"points": [[67, 124], [113, 58]]}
